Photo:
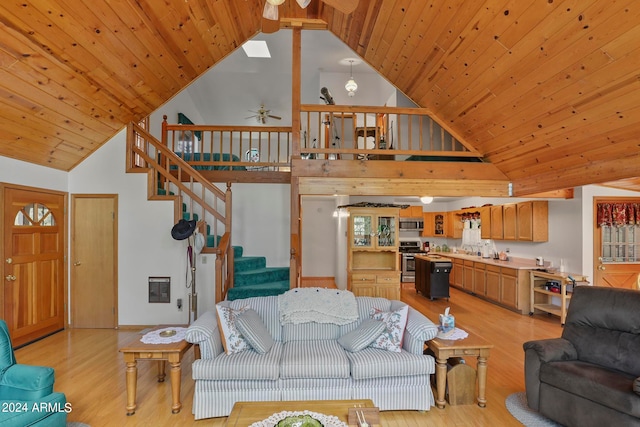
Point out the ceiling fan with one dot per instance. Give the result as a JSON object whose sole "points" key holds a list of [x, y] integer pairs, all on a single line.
{"points": [[262, 115], [271, 20]]}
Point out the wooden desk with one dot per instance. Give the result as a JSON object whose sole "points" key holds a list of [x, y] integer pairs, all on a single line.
{"points": [[246, 413], [470, 346], [136, 350]]}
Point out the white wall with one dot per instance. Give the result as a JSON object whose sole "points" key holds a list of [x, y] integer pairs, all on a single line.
{"points": [[31, 175], [145, 245]]}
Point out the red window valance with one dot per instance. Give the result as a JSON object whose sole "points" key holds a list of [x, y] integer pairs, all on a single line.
{"points": [[618, 214]]}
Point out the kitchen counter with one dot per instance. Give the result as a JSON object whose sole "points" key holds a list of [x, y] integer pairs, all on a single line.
{"points": [[515, 263]]}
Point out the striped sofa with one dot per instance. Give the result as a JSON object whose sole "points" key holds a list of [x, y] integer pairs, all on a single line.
{"points": [[307, 363]]}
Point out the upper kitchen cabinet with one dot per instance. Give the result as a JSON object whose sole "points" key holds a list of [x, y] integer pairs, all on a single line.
{"points": [[497, 227], [435, 224], [509, 221], [533, 221], [485, 222], [411, 212]]}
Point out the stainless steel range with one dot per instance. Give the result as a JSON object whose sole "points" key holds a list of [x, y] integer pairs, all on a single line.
{"points": [[408, 251]]}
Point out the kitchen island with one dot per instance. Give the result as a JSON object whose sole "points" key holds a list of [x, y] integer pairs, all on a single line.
{"points": [[505, 283]]}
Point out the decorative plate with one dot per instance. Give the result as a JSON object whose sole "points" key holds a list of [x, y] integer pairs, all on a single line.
{"points": [[300, 419], [168, 333]]}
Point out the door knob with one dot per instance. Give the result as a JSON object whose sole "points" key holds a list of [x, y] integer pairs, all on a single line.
{"points": [[77, 263], [601, 267], [9, 260], [10, 278]]}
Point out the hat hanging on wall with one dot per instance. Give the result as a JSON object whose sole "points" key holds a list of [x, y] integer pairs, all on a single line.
{"points": [[183, 229]]}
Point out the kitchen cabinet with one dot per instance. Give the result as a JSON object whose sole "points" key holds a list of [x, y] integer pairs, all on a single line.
{"points": [[485, 222], [509, 291], [457, 277], [497, 227], [467, 279], [479, 279], [373, 259], [435, 224], [492, 283], [509, 221], [533, 221], [449, 224], [411, 212], [457, 224]]}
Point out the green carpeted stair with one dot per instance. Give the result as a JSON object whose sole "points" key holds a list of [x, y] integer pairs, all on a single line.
{"points": [[252, 277]]}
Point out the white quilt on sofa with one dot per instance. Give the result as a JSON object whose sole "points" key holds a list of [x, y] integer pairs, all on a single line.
{"points": [[302, 305]]}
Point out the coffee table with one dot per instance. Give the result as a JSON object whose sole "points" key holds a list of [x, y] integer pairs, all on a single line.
{"points": [[472, 345], [135, 350], [246, 413]]}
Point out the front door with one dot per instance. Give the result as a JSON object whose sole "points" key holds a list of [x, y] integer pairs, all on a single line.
{"points": [[33, 296], [93, 261], [616, 248]]}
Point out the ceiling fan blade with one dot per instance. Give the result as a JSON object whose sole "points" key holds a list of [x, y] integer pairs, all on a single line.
{"points": [[344, 6], [274, 117], [270, 18]]}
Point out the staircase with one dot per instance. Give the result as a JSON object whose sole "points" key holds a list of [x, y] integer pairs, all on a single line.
{"points": [[171, 178], [254, 279]]}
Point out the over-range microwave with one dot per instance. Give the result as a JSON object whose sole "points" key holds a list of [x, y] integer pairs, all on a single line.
{"points": [[407, 224]]}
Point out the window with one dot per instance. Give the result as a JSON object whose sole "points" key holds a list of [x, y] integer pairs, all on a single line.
{"points": [[620, 244], [35, 214]]}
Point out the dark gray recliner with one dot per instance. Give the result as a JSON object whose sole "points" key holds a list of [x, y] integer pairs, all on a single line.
{"points": [[589, 376]]}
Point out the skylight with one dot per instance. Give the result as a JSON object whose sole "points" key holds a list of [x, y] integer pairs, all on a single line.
{"points": [[256, 49]]}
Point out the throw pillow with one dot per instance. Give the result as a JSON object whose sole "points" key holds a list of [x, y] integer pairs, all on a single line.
{"points": [[395, 321], [232, 339], [367, 331], [253, 330], [636, 386]]}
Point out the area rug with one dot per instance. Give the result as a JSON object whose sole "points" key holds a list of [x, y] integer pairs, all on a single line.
{"points": [[77, 424], [517, 405]]}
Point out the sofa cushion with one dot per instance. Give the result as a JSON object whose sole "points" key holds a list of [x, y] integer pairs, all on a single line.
{"points": [[395, 322], [266, 307], [253, 330], [362, 336], [376, 363], [232, 339], [314, 359], [310, 331], [245, 365], [26, 382], [592, 382]]}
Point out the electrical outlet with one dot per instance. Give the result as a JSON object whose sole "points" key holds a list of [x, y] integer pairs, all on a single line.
{"points": [[179, 303]]}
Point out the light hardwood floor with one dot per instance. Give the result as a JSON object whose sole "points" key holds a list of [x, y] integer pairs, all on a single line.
{"points": [[91, 371]]}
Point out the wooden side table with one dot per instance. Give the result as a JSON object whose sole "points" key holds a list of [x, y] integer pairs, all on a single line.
{"points": [[470, 346], [136, 350]]}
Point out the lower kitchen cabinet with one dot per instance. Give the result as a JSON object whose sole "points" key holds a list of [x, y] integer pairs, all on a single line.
{"points": [[508, 287], [467, 279], [492, 283], [479, 280]]}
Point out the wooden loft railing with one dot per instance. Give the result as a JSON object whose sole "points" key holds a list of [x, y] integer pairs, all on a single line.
{"points": [[336, 132], [170, 177], [225, 153], [375, 133]]}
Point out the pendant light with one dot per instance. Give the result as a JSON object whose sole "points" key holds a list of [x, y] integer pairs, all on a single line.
{"points": [[351, 85]]}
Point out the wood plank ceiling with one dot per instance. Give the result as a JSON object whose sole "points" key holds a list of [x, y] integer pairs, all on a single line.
{"points": [[547, 90]]}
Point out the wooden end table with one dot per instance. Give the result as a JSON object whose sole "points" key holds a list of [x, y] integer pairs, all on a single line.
{"points": [[246, 413], [469, 346], [135, 350]]}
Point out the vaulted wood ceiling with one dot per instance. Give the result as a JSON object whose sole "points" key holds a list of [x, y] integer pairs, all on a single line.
{"points": [[546, 90]]}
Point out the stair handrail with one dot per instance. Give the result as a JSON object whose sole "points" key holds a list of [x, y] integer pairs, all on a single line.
{"points": [[224, 259]]}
